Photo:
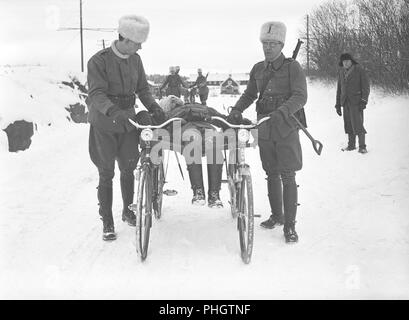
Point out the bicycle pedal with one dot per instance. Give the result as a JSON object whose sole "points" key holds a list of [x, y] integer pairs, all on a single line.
{"points": [[170, 192], [133, 207], [225, 181], [257, 216]]}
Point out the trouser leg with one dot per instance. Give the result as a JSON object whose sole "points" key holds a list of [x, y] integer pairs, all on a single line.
{"points": [[195, 176], [290, 197], [275, 195], [351, 140], [361, 140]]}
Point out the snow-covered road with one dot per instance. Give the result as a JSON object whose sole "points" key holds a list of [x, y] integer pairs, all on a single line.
{"points": [[353, 222]]}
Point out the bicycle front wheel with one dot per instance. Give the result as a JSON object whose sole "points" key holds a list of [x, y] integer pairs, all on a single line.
{"points": [[245, 218], [144, 211]]}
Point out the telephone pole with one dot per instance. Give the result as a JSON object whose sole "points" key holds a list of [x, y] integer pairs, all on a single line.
{"points": [[82, 46], [81, 29], [308, 45], [104, 43]]}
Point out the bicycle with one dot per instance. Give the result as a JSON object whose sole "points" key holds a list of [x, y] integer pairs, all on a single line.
{"points": [[240, 186], [150, 188]]}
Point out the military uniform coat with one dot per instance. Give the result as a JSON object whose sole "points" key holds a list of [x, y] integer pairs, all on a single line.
{"points": [[174, 83], [110, 75], [286, 91]]}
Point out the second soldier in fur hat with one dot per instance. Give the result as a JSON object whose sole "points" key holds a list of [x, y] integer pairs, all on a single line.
{"points": [[280, 86]]}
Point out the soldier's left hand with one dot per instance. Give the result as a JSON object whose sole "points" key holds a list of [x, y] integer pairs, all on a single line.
{"points": [[276, 117], [158, 114], [362, 104]]}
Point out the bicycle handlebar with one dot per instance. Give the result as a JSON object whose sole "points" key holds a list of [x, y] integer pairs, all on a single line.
{"points": [[140, 126], [241, 126]]}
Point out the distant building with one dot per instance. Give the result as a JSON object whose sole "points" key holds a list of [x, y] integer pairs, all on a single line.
{"points": [[216, 79], [230, 86]]}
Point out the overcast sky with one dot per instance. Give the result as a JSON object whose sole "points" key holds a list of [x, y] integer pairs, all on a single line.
{"points": [[215, 35]]}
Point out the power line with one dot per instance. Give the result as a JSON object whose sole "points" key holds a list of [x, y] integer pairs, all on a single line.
{"points": [[81, 29]]}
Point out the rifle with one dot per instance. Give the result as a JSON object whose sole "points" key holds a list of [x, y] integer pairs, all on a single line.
{"points": [[297, 48], [317, 145], [198, 85]]}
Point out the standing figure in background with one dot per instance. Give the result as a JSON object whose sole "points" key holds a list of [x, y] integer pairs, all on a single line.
{"points": [[174, 83], [201, 84], [115, 76], [352, 94]]}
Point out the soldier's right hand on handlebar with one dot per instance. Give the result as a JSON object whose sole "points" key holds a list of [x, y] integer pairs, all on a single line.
{"points": [[120, 116], [235, 116], [158, 114]]}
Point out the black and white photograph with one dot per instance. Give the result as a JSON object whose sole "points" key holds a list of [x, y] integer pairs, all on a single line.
{"points": [[204, 150]]}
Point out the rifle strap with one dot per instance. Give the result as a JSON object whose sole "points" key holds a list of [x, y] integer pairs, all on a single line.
{"points": [[269, 76]]}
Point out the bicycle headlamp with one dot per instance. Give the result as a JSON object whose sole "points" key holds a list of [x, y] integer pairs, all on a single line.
{"points": [[147, 135], [243, 135]]}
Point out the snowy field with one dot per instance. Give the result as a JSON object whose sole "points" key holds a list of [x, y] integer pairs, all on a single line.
{"points": [[353, 221]]}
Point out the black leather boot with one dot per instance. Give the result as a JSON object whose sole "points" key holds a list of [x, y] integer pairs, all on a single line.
{"points": [[290, 234], [362, 145], [290, 196], [127, 190], [275, 197], [105, 211], [351, 143]]}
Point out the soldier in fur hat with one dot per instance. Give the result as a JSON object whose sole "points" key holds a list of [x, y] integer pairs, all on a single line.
{"points": [[280, 86], [115, 76]]}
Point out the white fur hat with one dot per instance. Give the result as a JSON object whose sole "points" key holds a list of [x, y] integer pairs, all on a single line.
{"points": [[135, 28], [273, 31]]}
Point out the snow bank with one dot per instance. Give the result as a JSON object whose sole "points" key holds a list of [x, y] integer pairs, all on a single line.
{"points": [[35, 94], [353, 221]]}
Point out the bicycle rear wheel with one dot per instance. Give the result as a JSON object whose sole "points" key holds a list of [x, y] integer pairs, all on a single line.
{"points": [[144, 211], [245, 219], [158, 183]]}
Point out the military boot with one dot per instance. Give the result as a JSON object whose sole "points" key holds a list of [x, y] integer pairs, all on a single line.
{"points": [[351, 143], [290, 195], [290, 234], [127, 191], [105, 211], [362, 145], [275, 197]]}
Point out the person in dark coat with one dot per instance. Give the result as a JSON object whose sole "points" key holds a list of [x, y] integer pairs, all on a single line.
{"points": [[115, 76], [352, 95], [173, 82], [201, 85], [197, 117], [281, 88]]}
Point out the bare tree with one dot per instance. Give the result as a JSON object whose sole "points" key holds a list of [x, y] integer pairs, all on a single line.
{"points": [[375, 32]]}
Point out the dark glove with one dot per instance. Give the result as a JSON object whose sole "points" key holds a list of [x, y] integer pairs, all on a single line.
{"points": [[235, 116], [362, 104], [157, 113], [120, 116], [276, 117], [246, 121], [338, 108], [144, 118]]}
